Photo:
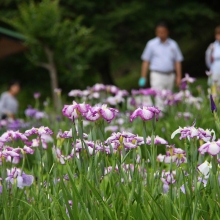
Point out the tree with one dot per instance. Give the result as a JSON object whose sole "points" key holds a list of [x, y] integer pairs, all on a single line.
{"points": [[54, 43]]}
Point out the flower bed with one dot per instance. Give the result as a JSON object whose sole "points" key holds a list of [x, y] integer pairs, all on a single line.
{"points": [[122, 159]]}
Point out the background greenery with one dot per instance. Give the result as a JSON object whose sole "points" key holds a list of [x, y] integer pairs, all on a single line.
{"points": [[111, 53]]}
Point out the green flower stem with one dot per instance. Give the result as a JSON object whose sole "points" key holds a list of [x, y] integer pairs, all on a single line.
{"points": [[214, 164], [144, 148], [23, 161]]}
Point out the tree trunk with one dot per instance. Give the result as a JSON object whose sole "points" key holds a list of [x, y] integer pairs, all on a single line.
{"points": [[104, 70], [54, 83], [51, 67]]}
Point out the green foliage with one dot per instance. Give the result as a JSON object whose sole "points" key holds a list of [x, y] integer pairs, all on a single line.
{"points": [[83, 187], [43, 25]]}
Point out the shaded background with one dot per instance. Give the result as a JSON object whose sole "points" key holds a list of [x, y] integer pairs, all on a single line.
{"points": [[120, 30]]}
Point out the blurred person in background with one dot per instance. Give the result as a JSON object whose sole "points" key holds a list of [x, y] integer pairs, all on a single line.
{"points": [[212, 57], [8, 101], [163, 58]]}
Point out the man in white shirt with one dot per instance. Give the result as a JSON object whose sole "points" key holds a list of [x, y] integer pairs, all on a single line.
{"points": [[213, 58], [163, 57]]}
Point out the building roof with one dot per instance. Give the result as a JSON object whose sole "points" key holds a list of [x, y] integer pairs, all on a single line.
{"points": [[10, 42], [10, 33]]}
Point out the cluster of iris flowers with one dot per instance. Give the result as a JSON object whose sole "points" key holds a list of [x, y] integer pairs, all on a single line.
{"points": [[68, 145]]}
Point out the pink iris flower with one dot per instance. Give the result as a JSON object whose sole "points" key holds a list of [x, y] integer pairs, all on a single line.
{"points": [[108, 114], [21, 178], [74, 110], [212, 148], [146, 113], [188, 79]]}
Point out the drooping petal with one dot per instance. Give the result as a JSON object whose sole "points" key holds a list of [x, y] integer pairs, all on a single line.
{"points": [[182, 188], [135, 114], [62, 161], [107, 114], [160, 158], [203, 148], [28, 150], [92, 116], [159, 140], [16, 160], [165, 188], [145, 114], [129, 145], [20, 182], [204, 168], [213, 148], [27, 179], [176, 132], [83, 108]]}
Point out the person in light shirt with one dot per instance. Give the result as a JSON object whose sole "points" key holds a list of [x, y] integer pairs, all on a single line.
{"points": [[163, 58], [8, 101], [212, 57]]}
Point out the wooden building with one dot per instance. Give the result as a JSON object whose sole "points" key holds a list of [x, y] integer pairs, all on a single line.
{"points": [[10, 42]]}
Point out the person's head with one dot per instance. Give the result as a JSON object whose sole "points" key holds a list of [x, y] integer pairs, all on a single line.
{"points": [[14, 87], [217, 33], [162, 31]]}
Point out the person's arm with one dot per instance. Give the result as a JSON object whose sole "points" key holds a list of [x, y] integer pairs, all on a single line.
{"points": [[178, 65], [144, 69], [178, 68], [208, 55], [146, 57]]}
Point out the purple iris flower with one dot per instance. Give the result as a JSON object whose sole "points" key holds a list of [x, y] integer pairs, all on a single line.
{"points": [[40, 115], [98, 87], [60, 156], [193, 132], [68, 134], [108, 114], [183, 85], [188, 79], [114, 100], [122, 93], [74, 110], [112, 89], [133, 102], [37, 95], [119, 136], [167, 179], [75, 93], [14, 125], [112, 128], [186, 115], [39, 131], [30, 112], [22, 179], [145, 92], [146, 113], [103, 111], [34, 142], [93, 114], [109, 169], [58, 91], [213, 106], [212, 148], [9, 136], [28, 150], [11, 155]]}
